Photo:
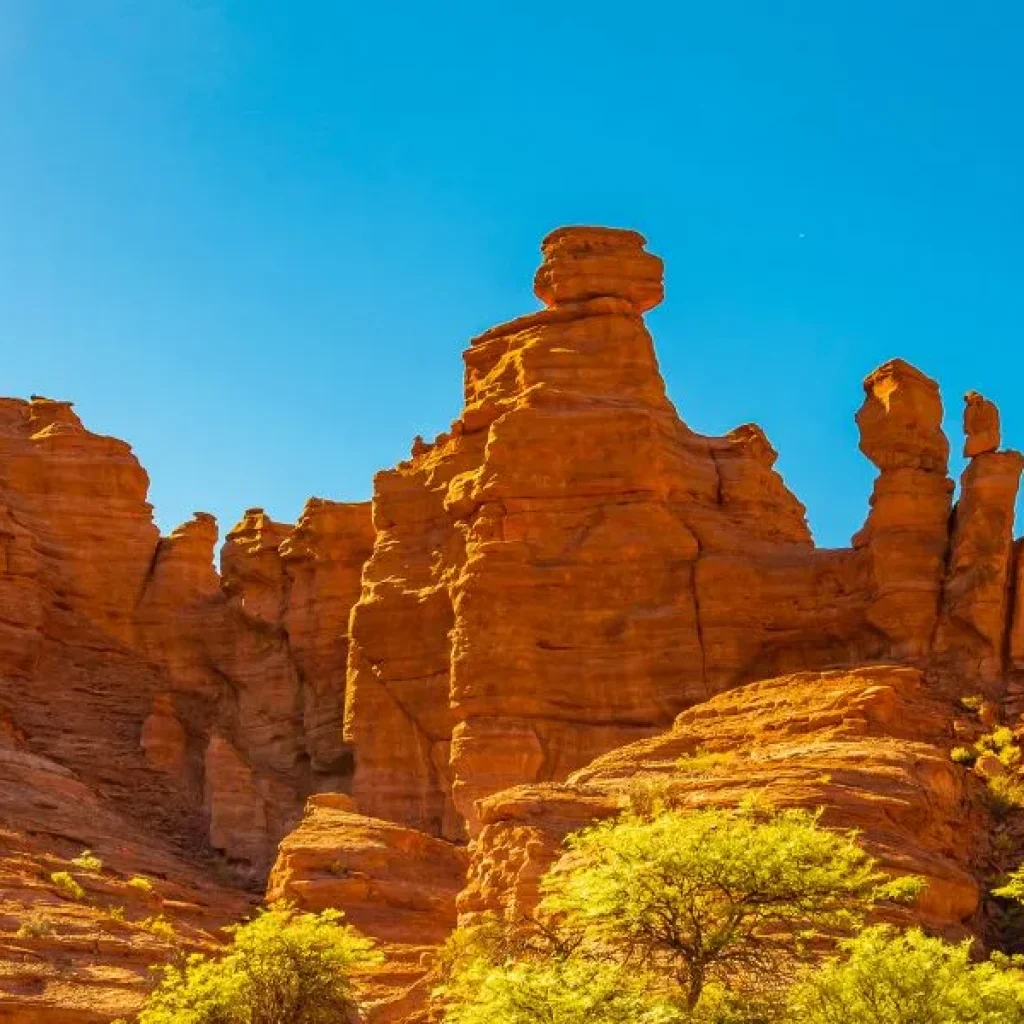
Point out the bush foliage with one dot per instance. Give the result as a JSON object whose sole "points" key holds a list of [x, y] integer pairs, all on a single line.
{"points": [[283, 967], [886, 977], [721, 917]]}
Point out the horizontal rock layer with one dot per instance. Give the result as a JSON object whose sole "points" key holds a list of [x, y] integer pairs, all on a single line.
{"points": [[870, 746]]}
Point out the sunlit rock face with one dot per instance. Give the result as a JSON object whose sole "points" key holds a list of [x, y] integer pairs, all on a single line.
{"points": [[570, 566], [558, 595], [869, 745]]}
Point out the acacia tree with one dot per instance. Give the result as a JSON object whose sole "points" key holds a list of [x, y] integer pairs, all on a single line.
{"points": [[712, 895], [283, 967], [885, 977]]}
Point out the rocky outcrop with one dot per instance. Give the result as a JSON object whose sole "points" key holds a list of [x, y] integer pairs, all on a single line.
{"points": [[981, 425], [69, 957], [323, 559], [570, 566], [128, 659], [907, 531], [395, 883], [870, 746], [541, 555], [970, 645], [564, 573]]}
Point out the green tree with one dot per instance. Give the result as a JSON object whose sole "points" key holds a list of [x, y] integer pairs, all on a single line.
{"points": [[712, 895], [887, 977], [283, 967], [558, 991], [1013, 889]]}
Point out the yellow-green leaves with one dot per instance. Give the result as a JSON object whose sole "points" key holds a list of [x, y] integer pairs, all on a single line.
{"points": [[887, 977], [562, 991], [713, 894], [283, 967]]}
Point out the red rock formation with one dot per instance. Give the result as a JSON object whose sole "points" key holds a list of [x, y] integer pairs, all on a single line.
{"points": [[907, 531], [532, 597], [869, 745], [970, 643], [85, 961], [164, 739], [981, 425], [75, 503], [571, 565], [124, 653], [323, 558], [396, 884], [560, 575]]}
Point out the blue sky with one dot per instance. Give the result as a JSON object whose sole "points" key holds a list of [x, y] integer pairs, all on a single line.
{"points": [[253, 237]]}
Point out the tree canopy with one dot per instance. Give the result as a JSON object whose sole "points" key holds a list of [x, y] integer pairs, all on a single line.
{"points": [[712, 894], [887, 977], [283, 967]]}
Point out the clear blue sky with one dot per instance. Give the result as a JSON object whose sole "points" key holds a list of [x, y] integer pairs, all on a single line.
{"points": [[252, 237]]}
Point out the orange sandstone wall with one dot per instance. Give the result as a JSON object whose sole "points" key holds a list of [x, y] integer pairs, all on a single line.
{"points": [[563, 574], [571, 565], [205, 706]]}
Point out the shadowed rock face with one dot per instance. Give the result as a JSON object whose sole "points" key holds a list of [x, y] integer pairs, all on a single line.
{"points": [[567, 572], [128, 659]]}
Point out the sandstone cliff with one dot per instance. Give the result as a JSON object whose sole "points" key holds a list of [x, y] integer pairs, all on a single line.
{"points": [[569, 594], [571, 565], [172, 692]]}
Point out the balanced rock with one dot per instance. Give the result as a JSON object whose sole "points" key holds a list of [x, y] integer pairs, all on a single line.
{"points": [[981, 425], [582, 263]]}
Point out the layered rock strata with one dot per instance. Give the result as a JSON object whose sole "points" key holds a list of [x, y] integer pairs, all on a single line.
{"points": [[566, 572], [176, 693], [570, 566], [870, 746], [85, 956]]}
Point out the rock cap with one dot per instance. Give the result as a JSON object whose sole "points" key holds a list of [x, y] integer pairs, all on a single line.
{"points": [[900, 421], [582, 263], [981, 425]]}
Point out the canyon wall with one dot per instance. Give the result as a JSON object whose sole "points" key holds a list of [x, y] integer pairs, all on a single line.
{"points": [[205, 705]]}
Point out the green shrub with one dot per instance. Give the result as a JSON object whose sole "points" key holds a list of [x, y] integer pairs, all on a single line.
{"points": [[35, 926], [1000, 743], [972, 703], [283, 967], [67, 886], [702, 762], [712, 894], [88, 861], [1013, 887], [557, 991], [1004, 795], [963, 755], [141, 883], [996, 741], [885, 977], [159, 927], [650, 796]]}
